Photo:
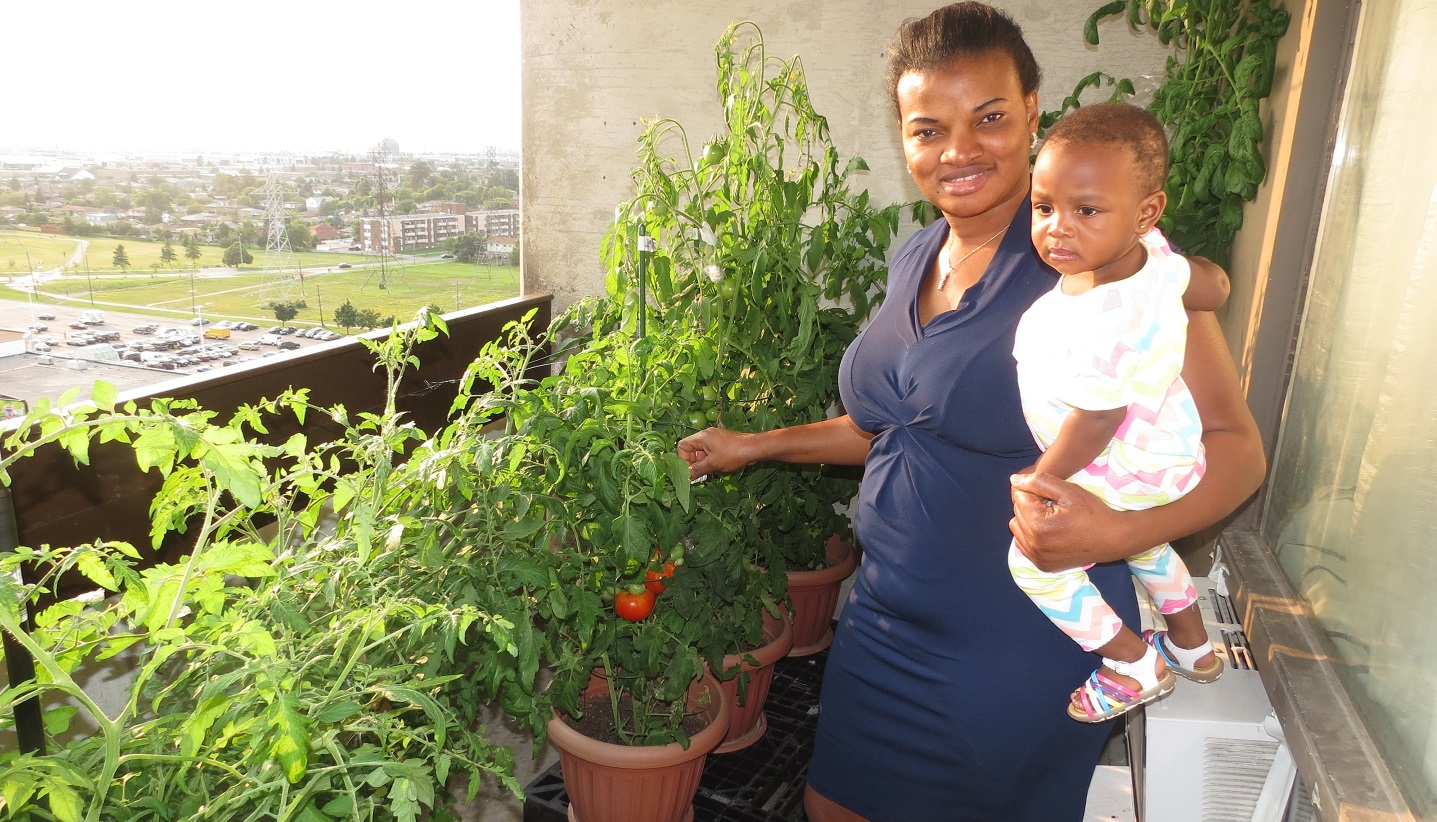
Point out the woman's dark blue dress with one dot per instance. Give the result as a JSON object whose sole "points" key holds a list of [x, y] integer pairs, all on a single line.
{"points": [[946, 688]]}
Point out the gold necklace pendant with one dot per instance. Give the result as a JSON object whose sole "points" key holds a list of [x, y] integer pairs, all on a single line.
{"points": [[945, 267]]}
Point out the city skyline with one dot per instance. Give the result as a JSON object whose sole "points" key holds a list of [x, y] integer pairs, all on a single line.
{"points": [[155, 77]]}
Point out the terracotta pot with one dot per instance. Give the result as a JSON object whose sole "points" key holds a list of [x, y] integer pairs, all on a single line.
{"points": [[644, 783], [747, 723], [815, 596]]}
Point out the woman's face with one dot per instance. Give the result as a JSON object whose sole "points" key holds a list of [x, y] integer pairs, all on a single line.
{"points": [[967, 130]]}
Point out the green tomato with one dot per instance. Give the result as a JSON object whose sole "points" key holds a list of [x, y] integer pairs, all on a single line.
{"points": [[713, 153], [709, 394], [711, 415], [698, 420], [727, 289], [657, 208]]}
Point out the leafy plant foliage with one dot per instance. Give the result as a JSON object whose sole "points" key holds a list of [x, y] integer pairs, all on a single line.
{"points": [[1209, 101], [304, 670]]}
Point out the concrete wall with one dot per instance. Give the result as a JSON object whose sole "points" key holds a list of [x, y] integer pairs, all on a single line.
{"points": [[593, 70]]}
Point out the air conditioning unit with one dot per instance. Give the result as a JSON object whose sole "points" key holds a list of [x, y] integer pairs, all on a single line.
{"points": [[1215, 752]]}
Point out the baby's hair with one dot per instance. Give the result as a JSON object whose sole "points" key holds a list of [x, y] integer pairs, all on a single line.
{"points": [[1118, 124]]}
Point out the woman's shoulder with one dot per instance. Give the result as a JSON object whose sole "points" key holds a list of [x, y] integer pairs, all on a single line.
{"points": [[919, 246]]}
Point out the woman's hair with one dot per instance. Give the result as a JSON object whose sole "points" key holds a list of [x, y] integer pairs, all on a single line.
{"points": [[1118, 124], [959, 30]]}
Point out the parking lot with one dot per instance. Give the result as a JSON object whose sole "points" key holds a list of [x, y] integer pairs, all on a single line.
{"points": [[31, 376]]}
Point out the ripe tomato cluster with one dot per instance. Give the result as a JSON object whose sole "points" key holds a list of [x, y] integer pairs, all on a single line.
{"points": [[636, 601]]}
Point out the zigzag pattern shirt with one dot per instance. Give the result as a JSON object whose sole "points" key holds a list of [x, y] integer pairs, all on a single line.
{"points": [[1119, 345]]}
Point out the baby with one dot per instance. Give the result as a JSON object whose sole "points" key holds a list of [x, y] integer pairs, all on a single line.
{"points": [[1099, 367]]}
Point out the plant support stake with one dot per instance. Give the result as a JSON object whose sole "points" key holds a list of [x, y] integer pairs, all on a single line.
{"points": [[647, 246]]}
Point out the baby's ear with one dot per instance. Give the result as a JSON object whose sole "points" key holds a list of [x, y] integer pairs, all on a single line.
{"points": [[1150, 209]]}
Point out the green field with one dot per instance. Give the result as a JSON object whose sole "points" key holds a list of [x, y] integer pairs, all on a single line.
{"points": [[447, 284], [51, 250]]}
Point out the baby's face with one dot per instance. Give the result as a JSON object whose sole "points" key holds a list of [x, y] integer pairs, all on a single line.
{"points": [[1087, 210]]}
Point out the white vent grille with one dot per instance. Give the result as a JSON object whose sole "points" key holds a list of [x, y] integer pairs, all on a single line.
{"points": [[1234, 771], [1300, 809]]}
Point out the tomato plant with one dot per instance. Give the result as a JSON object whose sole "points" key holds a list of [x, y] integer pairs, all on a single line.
{"points": [[634, 607]]}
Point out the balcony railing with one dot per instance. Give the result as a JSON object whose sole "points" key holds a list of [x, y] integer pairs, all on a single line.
{"points": [[60, 503]]}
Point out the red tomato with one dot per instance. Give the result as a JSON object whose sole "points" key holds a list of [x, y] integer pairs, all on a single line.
{"points": [[634, 607], [656, 579]]}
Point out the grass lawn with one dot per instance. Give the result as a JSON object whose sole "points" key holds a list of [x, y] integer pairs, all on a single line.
{"points": [[51, 250], [447, 284], [44, 250]]}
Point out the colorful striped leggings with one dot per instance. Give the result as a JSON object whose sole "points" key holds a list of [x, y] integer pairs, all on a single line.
{"points": [[1074, 604]]}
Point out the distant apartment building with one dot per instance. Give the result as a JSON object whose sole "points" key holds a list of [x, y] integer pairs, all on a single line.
{"points": [[443, 207], [500, 222], [414, 232], [408, 232]]}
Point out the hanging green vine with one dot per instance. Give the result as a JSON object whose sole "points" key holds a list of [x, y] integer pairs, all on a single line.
{"points": [[1223, 68]]}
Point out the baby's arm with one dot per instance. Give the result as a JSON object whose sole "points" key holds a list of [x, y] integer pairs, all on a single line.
{"points": [[1208, 286], [1082, 438]]}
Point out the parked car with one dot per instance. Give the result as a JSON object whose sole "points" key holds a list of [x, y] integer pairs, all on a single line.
{"points": [[47, 316], [246, 327], [199, 321], [79, 326], [39, 346], [288, 329], [268, 339], [249, 345], [288, 345], [37, 327], [446, 256], [344, 265], [147, 328]]}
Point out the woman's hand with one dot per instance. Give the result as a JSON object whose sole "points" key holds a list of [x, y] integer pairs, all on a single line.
{"points": [[1059, 525], [714, 449], [835, 441]]}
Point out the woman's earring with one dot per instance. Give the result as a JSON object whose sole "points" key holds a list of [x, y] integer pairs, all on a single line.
{"points": [[1034, 143], [910, 170]]}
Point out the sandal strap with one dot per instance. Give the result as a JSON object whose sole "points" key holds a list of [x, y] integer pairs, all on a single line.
{"points": [[1176, 657], [1144, 669], [1100, 695]]}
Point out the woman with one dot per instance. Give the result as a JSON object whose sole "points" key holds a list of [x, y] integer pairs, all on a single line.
{"points": [[945, 692]]}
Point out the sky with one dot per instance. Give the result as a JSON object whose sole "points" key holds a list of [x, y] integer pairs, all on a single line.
{"points": [[260, 75]]}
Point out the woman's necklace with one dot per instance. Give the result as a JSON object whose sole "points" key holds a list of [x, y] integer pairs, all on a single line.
{"points": [[945, 267]]}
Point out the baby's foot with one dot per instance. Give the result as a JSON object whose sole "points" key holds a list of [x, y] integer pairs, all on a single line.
{"points": [[1199, 663], [1117, 687]]}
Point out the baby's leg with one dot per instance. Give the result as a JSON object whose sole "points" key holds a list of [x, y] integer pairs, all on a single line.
{"points": [[1071, 601], [1163, 573]]}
